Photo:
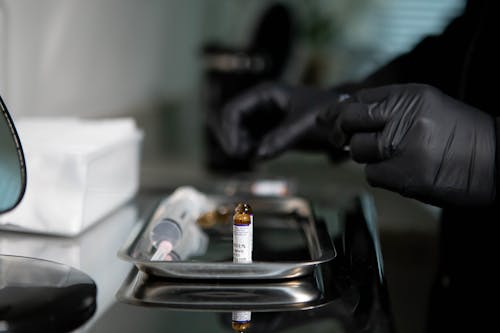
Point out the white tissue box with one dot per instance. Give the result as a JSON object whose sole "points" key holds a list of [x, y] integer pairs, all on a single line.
{"points": [[78, 171]]}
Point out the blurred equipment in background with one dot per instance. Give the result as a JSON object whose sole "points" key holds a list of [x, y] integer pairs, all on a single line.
{"points": [[229, 71]]}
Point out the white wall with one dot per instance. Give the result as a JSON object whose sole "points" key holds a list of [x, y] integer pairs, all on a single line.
{"points": [[96, 57]]}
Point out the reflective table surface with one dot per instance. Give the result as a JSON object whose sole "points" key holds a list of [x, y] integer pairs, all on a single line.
{"points": [[348, 295]]}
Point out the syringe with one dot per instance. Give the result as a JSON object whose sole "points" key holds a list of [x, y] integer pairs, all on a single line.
{"points": [[176, 235]]}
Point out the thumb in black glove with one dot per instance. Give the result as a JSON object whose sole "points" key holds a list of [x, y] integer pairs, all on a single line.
{"points": [[419, 142], [271, 118]]}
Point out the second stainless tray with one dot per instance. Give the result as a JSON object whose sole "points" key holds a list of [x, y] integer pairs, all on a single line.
{"points": [[304, 293], [289, 242]]}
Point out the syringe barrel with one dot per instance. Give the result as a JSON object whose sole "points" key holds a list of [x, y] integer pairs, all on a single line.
{"points": [[185, 205]]}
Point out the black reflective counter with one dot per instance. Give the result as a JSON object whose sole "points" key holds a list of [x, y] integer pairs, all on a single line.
{"points": [[355, 293]]}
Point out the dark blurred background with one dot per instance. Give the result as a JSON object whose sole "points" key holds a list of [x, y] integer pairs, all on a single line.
{"points": [[168, 63]]}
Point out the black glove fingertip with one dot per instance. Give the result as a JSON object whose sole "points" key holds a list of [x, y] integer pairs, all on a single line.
{"points": [[323, 118], [328, 116]]}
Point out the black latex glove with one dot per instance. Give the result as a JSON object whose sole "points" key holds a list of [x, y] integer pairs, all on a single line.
{"points": [[271, 118], [419, 142]]}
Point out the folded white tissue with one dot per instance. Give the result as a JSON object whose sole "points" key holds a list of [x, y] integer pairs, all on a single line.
{"points": [[78, 171]]}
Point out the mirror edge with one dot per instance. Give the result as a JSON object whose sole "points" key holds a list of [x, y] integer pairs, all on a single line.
{"points": [[20, 154]]}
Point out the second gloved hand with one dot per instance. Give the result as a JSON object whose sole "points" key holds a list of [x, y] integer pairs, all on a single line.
{"points": [[419, 142], [271, 118]]}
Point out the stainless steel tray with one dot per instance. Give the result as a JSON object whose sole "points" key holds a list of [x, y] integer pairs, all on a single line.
{"points": [[298, 294], [289, 242]]}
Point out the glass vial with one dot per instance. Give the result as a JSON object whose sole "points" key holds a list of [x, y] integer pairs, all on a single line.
{"points": [[241, 321], [242, 234]]}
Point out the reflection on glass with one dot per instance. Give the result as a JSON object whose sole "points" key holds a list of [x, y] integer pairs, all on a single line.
{"points": [[43, 296], [241, 321], [12, 170]]}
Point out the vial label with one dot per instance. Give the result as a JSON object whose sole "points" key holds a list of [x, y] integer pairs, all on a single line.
{"points": [[242, 316], [242, 243]]}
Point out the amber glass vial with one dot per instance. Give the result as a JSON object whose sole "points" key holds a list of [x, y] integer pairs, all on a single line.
{"points": [[241, 321], [242, 234]]}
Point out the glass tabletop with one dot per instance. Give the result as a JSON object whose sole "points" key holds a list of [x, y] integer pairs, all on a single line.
{"points": [[353, 290]]}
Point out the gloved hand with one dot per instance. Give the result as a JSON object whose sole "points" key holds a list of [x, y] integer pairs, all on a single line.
{"points": [[271, 118], [419, 142]]}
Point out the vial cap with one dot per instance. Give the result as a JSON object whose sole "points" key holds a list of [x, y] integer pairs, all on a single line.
{"points": [[243, 208]]}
